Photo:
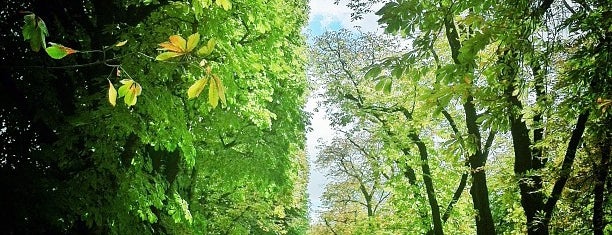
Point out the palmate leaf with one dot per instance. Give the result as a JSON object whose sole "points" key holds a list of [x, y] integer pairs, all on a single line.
{"points": [[130, 90], [178, 46]]}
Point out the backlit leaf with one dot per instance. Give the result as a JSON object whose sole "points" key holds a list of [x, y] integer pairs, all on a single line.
{"points": [[225, 4], [167, 55], [220, 89], [373, 72], [112, 94], [131, 90], [57, 51], [208, 48], [192, 41], [213, 93], [122, 43], [179, 42], [196, 88]]}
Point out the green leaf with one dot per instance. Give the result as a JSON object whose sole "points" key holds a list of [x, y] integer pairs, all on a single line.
{"points": [[373, 72], [379, 86], [34, 30], [57, 51], [208, 48], [167, 55], [387, 88], [195, 89]]}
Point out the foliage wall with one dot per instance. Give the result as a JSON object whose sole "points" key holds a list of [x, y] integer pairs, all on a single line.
{"points": [[75, 160]]}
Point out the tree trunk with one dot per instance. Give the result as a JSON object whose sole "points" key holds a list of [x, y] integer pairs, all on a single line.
{"points": [[601, 178], [431, 194]]}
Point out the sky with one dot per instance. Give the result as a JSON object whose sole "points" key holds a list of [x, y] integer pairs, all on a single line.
{"points": [[324, 16]]}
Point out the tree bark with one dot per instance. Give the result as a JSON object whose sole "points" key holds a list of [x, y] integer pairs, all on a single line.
{"points": [[601, 174], [431, 194]]}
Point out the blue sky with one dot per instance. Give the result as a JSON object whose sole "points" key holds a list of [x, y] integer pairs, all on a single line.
{"points": [[324, 16]]}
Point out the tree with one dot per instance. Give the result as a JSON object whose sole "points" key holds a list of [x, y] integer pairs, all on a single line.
{"points": [[534, 70], [357, 195], [340, 59], [159, 162]]}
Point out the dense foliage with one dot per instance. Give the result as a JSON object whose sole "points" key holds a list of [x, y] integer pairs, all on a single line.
{"points": [[495, 119], [163, 158]]}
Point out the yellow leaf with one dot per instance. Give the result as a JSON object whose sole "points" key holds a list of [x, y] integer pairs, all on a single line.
{"points": [[132, 95], [213, 95], [196, 88], [167, 55], [119, 44], [112, 94], [226, 4], [220, 90], [192, 41], [167, 46], [178, 41]]}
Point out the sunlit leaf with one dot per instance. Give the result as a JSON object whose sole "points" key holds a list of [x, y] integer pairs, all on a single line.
{"points": [[167, 55], [220, 89], [131, 90], [192, 41], [213, 93], [225, 4], [120, 44], [196, 88], [112, 94], [57, 51], [179, 42], [387, 87], [208, 48]]}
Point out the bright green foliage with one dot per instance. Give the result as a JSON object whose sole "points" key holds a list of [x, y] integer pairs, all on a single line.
{"points": [[166, 164], [515, 92], [57, 51]]}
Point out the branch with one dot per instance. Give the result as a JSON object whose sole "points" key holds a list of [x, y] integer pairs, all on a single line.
{"points": [[566, 166]]}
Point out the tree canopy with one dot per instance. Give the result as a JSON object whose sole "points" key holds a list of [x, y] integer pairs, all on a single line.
{"points": [[164, 117], [508, 102]]}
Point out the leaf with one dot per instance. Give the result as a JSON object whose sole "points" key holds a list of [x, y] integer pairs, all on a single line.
{"points": [[112, 94], [213, 93], [387, 88], [195, 89], [178, 42], [120, 44], [379, 86], [192, 41], [57, 51], [373, 72], [220, 90], [208, 48], [131, 90], [167, 55], [34, 30], [226, 4]]}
